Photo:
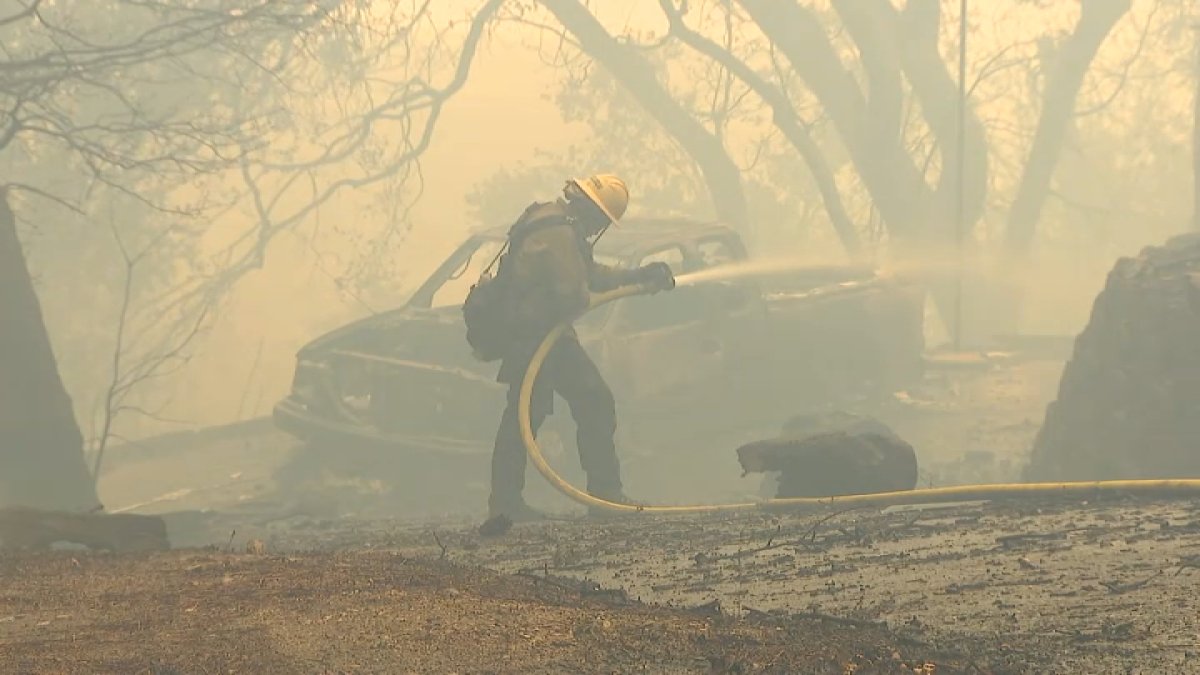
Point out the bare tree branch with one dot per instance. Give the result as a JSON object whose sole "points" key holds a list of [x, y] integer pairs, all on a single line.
{"points": [[142, 143], [1096, 20], [21, 14], [893, 180], [785, 119], [402, 106], [21, 187], [1125, 69], [111, 394], [627, 65], [878, 52], [918, 29]]}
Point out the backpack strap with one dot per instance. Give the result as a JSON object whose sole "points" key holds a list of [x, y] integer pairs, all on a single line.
{"points": [[536, 216]]}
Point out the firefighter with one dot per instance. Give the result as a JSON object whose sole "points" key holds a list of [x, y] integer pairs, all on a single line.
{"points": [[552, 274]]}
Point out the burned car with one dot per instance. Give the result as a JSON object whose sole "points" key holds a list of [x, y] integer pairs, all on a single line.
{"points": [[751, 345]]}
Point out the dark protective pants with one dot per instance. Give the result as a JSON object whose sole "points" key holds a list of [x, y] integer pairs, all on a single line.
{"points": [[569, 371]]}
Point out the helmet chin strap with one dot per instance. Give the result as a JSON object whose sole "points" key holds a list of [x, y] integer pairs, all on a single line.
{"points": [[575, 222], [592, 237]]}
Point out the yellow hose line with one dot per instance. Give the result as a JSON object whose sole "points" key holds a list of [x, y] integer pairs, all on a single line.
{"points": [[1085, 489]]}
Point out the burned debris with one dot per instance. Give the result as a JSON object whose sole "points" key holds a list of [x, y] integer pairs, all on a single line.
{"points": [[832, 455]]}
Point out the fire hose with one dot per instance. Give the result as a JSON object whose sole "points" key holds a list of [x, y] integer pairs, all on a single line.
{"points": [[959, 493]]}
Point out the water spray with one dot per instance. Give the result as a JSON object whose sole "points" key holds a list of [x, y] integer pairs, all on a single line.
{"points": [[920, 267], [759, 267]]}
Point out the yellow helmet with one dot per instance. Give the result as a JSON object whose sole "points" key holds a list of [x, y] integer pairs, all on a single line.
{"points": [[607, 192]]}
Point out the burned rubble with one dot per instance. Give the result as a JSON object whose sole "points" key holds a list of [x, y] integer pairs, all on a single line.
{"points": [[833, 454]]}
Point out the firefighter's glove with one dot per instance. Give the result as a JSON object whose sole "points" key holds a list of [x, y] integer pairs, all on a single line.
{"points": [[656, 277]]}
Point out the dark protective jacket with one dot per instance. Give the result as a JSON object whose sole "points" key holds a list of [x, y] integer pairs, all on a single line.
{"points": [[552, 274], [552, 269]]}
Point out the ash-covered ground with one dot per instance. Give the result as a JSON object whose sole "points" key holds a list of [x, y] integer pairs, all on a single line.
{"points": [[1066, 586]]}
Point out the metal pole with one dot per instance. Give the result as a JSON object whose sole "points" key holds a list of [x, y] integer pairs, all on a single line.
{"points": [[1196, 134], [960, 215]]}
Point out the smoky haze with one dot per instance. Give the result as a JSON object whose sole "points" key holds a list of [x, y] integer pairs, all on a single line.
{"points": [[193, 213]]}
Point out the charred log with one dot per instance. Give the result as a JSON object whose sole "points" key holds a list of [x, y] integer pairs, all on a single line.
{"points": [[833, 455], [33, 529]]}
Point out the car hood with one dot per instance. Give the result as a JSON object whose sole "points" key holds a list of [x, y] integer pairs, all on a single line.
{"points": [[421, 335], [432, 336]]}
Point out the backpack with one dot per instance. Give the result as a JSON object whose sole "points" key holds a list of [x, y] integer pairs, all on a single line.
{"points": [[487, 316], [488, 309]]}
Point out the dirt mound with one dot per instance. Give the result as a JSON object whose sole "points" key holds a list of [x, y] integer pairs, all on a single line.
{"points": [[1129, 401], [379, 612]]}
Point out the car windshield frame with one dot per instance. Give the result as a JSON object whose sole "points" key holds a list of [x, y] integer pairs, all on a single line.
{"points": [[458, 260], [461, 258]]}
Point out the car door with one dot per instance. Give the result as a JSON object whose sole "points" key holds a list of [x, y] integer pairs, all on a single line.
{"points": [[738, 314], [663, 348]]}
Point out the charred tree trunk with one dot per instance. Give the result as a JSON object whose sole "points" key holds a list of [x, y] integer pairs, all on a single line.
{"points": [[1096, 21], [722, 176], [784, 116], [937, 91], [892, 46], [41, 447], [890, 175], [1064, 78]]}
